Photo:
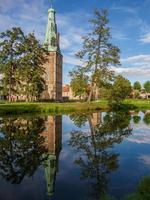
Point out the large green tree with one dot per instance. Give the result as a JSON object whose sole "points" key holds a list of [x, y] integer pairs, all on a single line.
{"points": [[79, 82], [10, 52], [21, 64], [98, 53], [137, 85], [31, 72], [147, 86], [121, 89]]}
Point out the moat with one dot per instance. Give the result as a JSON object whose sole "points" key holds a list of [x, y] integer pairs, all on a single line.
{"points": [[73, 156]]}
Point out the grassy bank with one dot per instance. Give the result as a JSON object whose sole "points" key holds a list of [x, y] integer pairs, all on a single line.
{"points": [[19, 108], [68, 107], [139, 103]]}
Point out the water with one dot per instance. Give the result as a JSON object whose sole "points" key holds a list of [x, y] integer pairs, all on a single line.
{"points": [[73, 157]]}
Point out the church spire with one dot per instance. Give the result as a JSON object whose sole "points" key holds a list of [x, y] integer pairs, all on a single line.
{"points": [[52, 37]]}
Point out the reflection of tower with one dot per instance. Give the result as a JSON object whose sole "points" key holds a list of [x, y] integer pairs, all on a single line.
{"points": [[53, 67], [96, 119], [53, 137]]}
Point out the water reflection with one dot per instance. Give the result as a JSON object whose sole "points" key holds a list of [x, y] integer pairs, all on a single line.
{"points": [[96, 156], [53, 143], [30, 147], [21, 147], [26, 144]]}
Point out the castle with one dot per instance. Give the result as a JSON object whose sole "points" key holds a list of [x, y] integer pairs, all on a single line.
{"points": [[53, 67], [55, 90]]}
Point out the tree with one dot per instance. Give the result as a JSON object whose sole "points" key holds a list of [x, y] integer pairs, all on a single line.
{"points": [[10, 42], [79, 82], [147, 86], [137, 86], [31, 72], [98, 53], [21, 63], [121, 89]]}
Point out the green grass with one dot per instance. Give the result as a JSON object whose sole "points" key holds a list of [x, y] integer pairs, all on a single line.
{"points": [[56, 108], [139, 103], [68, 107]]}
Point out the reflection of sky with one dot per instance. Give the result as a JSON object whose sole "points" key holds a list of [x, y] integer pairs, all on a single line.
{"points": [[134, 163], [134, 153], [141, 132], [134, 159], [145, 159]]}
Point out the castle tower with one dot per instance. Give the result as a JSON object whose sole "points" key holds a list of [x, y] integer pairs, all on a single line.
{"points": [[53, 67]]}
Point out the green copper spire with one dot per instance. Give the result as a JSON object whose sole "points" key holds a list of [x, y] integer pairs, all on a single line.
{"points": [[50, 173], [52, 37]]}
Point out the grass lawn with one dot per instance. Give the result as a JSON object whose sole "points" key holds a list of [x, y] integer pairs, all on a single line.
{"points": [[139, 103], [68, 107], [19, 108]]}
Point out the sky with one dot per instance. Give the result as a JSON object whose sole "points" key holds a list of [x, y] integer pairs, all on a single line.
{"points": [[129, 21]]}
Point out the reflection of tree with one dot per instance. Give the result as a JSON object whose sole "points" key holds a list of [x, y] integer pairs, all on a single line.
{"points": [[97, 158], [146, 118], [143, 190], [79, 120], [21, 147], [136, 119]]}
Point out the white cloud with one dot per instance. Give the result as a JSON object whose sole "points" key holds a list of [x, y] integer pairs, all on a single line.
{"points": [[135, 66], [145, 39], [142, 137], [143, 58], [71, 60], [145, 159], [133, 71], [124, 9]]}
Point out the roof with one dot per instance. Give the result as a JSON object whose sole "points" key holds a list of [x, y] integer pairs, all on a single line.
{"points": [[66, 88]]}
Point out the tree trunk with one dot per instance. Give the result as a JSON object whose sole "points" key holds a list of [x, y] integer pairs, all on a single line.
{"points": [[9, 97], [90, 95]]}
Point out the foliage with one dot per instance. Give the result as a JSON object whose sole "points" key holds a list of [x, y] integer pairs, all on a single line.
{"points": [[79, 82], [121, 89], [32, 71], [137, 86], [10, 42], [147, 86], [98, 53], [136, 94], [22, 58]]}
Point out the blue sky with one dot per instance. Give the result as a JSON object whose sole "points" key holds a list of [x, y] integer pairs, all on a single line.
{"points": [[129, 22]]}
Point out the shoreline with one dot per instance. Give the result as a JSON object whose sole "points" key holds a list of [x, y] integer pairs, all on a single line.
{"points": [[67, 107]]}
